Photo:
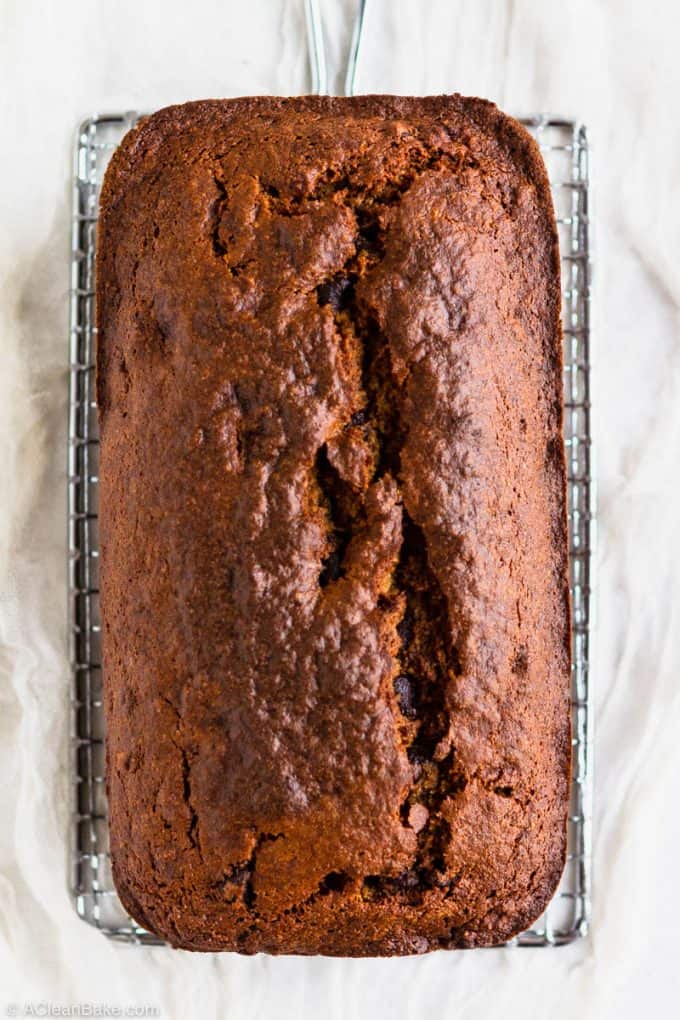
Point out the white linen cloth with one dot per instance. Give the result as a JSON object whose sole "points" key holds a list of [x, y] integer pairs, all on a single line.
{"points": [[613, 64]]}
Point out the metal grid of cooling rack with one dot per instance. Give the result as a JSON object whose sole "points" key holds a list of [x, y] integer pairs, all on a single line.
{"points": [[565, 149]]}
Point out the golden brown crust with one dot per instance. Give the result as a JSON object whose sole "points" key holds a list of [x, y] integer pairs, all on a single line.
{"points": [[334, 555]]}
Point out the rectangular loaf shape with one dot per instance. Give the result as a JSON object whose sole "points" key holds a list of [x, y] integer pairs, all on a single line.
{"points": [[334, 580]]}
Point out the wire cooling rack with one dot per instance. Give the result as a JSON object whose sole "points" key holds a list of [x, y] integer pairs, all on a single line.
{"points": [[565, 148]]}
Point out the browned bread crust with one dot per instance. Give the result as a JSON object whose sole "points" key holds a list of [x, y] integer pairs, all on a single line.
{"points": [[334, 555]]}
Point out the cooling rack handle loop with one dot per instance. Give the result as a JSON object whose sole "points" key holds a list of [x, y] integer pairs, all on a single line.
{"points": [[355, 47], [316, 45]]}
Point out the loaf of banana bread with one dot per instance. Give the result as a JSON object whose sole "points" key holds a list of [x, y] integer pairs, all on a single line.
{"points": [[334, 580]]}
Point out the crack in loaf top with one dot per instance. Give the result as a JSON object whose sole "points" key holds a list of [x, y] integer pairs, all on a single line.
{"points": [[333, 531]]}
